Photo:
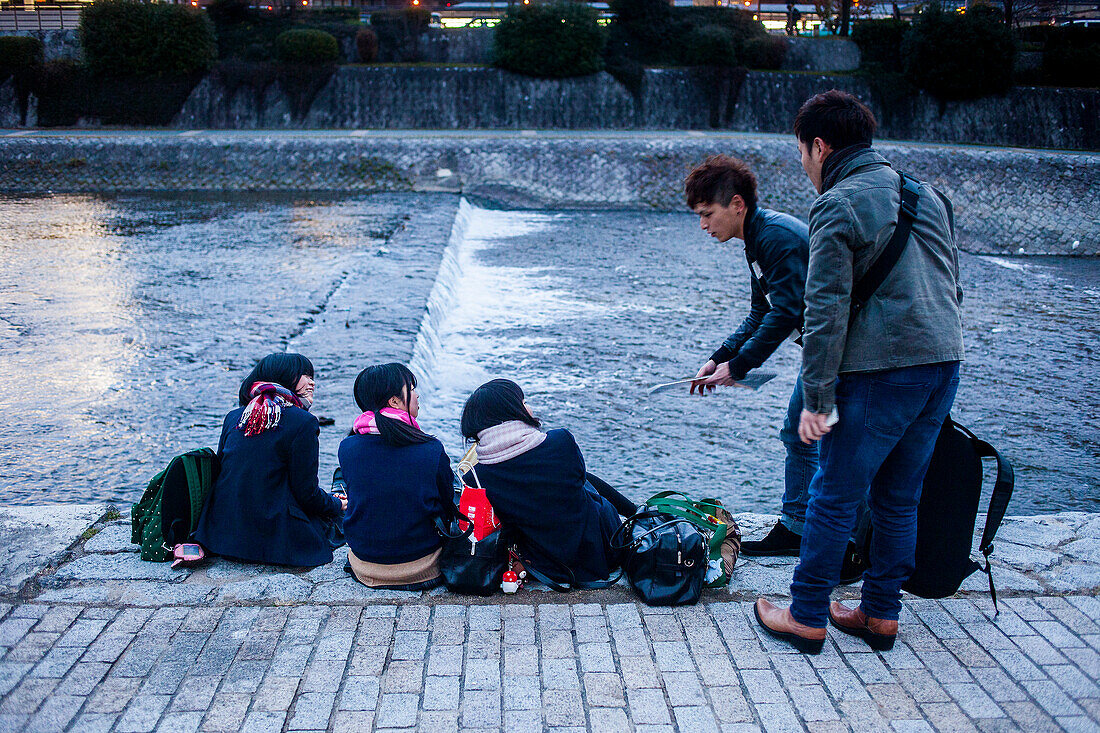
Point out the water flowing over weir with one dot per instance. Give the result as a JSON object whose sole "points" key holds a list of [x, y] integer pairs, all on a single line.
{"points": [[482, 319]]}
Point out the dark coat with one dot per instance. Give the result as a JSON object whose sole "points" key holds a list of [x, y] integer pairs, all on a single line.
{"points": [[394, 497], [266, 505], [542, 494], [777, 249]]}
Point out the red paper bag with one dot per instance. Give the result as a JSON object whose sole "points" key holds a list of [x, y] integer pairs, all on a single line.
{"points": [[475, 504]]}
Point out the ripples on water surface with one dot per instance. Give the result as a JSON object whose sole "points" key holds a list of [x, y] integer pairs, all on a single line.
{"points": [[127, 323]]}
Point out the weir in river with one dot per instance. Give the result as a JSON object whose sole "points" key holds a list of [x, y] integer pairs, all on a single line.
{"points": [[128, 321]]}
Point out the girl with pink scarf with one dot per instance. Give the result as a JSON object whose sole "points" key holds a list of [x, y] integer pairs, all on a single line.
{"points": [[399, 480]]}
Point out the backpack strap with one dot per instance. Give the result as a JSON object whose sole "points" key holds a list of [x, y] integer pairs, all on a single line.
{"points": [[882, 266], [998, 504]]}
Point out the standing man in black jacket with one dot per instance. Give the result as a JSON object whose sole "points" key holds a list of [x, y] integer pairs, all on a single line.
{"points": [[722, 191]]}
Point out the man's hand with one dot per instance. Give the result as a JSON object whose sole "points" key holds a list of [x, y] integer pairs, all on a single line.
{"points": [[343, 499], [704, 371], [813, 426], [712, 376]]}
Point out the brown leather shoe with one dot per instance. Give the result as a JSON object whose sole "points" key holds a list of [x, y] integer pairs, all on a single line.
{"points": [[878, 633], [779, 623]]}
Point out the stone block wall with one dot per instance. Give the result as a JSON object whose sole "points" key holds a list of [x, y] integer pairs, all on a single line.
{"points": [[483, 97], [1006, 201]]}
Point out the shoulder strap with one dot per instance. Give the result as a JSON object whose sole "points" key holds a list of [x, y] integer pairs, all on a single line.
{"points": [[998, 502], [710, 525], [1002, 493], [882, 266]]}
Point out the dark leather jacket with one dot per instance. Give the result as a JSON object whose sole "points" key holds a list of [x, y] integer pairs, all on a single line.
{"points": [[777, 249]]}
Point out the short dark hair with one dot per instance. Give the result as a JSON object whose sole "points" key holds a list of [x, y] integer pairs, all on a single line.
{"points": [[836, 117], [494, 403], [373, 389], [278, 368], [718, 179]]}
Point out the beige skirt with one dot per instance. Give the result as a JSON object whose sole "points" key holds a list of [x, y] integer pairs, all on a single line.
{"points": [[403, 573]]}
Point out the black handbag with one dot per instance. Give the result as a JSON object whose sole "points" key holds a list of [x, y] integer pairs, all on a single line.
{"points": [[664, 557], [468, 566]]}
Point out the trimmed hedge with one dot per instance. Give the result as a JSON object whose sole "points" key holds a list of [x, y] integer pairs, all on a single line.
{"points": [[399, 33], [710, 45], [879, 44], [19, 54], [124, 38], [307, 46], [366, 46], [558, 40], [960, 55]]}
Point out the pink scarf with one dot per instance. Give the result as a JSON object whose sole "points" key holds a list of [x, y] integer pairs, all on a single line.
{"points": [[366, 424], [507, 440]]}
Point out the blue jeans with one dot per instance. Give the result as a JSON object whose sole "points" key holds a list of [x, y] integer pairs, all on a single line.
{"points": [[799, 467], [880, 449]]}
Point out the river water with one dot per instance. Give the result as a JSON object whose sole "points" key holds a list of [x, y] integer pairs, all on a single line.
{"points": [[126, 323]]}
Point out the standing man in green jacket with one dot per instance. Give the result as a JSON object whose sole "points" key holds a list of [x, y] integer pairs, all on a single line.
{"points": [[890, 368]]}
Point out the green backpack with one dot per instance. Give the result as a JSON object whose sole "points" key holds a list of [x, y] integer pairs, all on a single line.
{"points": [[169, 509]]}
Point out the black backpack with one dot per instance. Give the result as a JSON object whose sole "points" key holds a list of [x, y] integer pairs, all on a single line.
{"points": [[948, 511], [170, 507]]}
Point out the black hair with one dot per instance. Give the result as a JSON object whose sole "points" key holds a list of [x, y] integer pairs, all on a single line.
{"points": [[717, 180], [373, 389], [836, 117], [279, 368], [493, 403]]}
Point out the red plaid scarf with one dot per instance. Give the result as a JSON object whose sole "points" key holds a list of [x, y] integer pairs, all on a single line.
{"points": [[266, 407]]}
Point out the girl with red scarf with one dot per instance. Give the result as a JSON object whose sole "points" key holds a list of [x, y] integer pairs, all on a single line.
{"points": [[266, 506]]}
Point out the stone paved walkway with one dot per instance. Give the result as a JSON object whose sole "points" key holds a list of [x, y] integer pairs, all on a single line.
{"points": [[613, 667], [99, 641]]}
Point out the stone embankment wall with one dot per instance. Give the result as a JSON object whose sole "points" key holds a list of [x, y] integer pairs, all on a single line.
{"points": [[1006, 201], [482, 97]]}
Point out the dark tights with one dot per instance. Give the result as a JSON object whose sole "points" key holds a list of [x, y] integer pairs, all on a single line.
{"points": [[625, 507]]}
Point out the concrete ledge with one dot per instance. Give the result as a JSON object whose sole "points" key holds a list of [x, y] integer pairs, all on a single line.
{"points": [[35, 538], [1007, 201], [1040, 555]]}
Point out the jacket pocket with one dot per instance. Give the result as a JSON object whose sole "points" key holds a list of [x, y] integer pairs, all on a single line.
{"points": [[296, 512]]}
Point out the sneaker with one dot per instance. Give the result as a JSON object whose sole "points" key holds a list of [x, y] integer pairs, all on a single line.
{"points": [[779, 542]]}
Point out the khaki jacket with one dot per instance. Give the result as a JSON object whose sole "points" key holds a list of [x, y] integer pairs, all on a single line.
{"points": [[913, 318]]}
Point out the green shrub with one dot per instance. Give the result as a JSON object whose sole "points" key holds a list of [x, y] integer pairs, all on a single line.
{"points": [[710, 45], [62, 87], [336, 15], [399, 33], [644, 30], [19, 54], [366, 44], [124, 38], [307, 46], [765, 53], [959, 55], [879, 44], [1071, 57], [558, 40]]}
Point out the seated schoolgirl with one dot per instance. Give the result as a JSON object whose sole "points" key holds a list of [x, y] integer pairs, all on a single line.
{"points": [[538, 486], [399, 480], [266, 505]]}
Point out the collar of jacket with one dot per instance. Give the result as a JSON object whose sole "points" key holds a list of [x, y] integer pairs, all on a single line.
{"points": [[841, 163], [749, 227]]}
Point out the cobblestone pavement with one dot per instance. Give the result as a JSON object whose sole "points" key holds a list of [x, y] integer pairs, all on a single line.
{"points": [[541, 667]]}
